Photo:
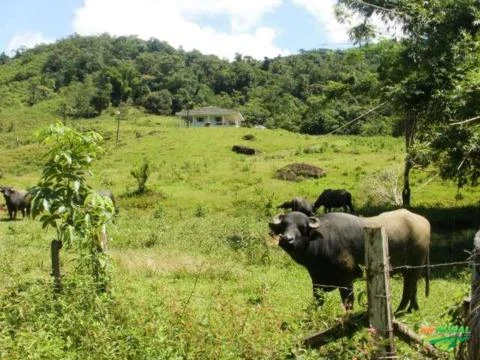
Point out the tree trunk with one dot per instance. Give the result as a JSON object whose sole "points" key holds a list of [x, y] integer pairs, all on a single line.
{"points": [[409, 140], [56, 245], [118, 129], [406, 181]]}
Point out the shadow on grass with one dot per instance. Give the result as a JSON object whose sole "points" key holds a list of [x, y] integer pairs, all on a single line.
{"points": [[9, 220], [146, 200]]}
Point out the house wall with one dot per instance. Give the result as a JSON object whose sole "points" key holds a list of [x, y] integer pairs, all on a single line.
{"points": [[214, 121]]}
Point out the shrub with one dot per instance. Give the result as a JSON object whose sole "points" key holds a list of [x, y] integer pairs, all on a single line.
{"points": [[384, 187], [141, 174]]}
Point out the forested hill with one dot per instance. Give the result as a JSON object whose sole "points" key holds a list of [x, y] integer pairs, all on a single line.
{"points": [[313, 92]]}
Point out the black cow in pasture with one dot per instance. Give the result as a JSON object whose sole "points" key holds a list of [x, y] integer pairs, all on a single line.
{"points": [[109, 194], [16, 200], [331, 248], [330, 198], [298, 204]]}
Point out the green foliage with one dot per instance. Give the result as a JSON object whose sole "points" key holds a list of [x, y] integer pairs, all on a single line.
{"points": [[79, 99], [63, 200], [159, 102], [141, 173], [90, 73], [457, 151], [431, 75]]}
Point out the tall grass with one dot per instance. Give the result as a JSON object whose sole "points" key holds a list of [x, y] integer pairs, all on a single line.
{"points": [[195, 273]]}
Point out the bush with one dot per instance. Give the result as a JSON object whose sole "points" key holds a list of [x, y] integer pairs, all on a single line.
{"points": [[141, 174], [384, 187]]}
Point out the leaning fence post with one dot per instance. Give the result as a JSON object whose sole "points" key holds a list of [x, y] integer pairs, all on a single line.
{"points": [[378, 288], [474, 309], [55, 247]]}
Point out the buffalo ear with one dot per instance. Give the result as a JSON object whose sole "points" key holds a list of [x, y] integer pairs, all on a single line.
{"points": [[313, 222], [275, 224], [277, 219]]}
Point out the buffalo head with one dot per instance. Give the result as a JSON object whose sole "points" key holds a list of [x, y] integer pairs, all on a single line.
{"points": [[293, 229]]}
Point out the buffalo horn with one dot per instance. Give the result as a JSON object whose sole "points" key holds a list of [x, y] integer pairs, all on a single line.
{"points": [[313, 222]]}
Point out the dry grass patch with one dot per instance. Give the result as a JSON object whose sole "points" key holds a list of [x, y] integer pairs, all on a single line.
{"points": [[149, 261]]}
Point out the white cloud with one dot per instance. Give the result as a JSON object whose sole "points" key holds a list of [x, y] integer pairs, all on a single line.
{"points": [[26, 39], [171, 21], [242, 14], [337, 33], [323, 11]]}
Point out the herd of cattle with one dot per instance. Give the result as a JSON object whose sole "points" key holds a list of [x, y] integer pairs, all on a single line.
{"points": [[331, 246]]}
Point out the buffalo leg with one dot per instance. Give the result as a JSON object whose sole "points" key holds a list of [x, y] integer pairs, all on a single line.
{"points": [[405, 293], [409, 295], [413, 280], [347, 297]]}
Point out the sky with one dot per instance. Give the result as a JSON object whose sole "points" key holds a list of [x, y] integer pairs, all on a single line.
{"points": [[257, 28]]}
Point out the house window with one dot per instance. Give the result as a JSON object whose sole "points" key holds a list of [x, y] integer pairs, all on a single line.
{"points": [[200, 120], [218, 120]]}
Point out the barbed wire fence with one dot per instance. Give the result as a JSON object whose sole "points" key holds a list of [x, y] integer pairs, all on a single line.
{"points": [[466, 350], [388, 325]]}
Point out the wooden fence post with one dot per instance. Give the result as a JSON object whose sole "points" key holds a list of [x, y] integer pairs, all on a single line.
{"points": [[55, 247], [378, 289], [474, 308]]}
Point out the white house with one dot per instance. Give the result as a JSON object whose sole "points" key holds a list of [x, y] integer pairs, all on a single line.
{"points": [[211, 116]]}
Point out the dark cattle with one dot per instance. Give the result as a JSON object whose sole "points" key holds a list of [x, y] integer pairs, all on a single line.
{"points": [[298, 204], [334, 199], [109, 194], [241, 149], [16, 200], [331, 248]]}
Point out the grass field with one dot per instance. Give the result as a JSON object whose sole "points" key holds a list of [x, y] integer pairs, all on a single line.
{"points": [[195, 274]]}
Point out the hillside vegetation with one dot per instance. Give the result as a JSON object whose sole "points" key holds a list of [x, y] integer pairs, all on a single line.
{"points": [[195, 274], [313, 92]]}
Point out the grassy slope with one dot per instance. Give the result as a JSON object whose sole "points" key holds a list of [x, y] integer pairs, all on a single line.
{"points": [[195, 273]]}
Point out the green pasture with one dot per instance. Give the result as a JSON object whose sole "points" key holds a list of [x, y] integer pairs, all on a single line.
{"points": [[195, 274]]}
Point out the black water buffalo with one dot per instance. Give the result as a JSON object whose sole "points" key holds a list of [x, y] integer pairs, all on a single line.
{"points": [[298, 204], [331, 248], [16, 200], [109, 194], [330, 198]]}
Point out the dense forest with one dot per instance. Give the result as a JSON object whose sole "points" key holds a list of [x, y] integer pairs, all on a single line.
{"points": [[313, 92]]}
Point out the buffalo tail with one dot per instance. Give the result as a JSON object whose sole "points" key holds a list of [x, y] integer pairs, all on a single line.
{"points": [[427, 274]]}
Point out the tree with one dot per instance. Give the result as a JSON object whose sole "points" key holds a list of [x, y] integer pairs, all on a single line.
{"points": [[64, 201], [79, 98], [429, 63], [101, 98], [4, 58], [141, 173], [159, 102], [37, 92], [121, 114]]}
